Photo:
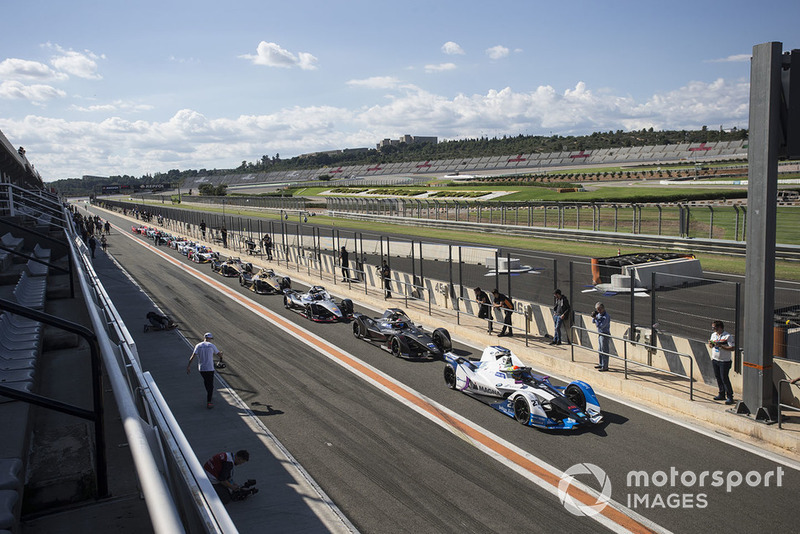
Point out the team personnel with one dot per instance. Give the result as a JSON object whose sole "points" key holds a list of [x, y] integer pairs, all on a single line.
{"points": [[205, 352]]}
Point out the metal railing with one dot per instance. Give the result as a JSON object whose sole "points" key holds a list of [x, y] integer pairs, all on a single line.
{"points": [[626, 360], [499, 323], [782, 406]]}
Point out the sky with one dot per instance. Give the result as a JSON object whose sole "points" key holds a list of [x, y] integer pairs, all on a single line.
{"points": [[113, 88]]}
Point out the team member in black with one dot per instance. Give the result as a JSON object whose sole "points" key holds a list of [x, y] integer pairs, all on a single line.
{"points": [[503, 302]]}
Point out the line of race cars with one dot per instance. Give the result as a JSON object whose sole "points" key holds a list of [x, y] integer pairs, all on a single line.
{"points": [[499, 379]]}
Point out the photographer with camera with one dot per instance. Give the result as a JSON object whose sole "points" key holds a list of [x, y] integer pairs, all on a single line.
{"points": [[219, 469]]}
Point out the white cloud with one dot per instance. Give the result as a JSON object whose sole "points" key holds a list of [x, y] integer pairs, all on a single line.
{"points": [[451, 48], [497, 52], [79, 64], [36, 93], [192, 140], [737, 58], [272, 55], [440, 67], [23, 69], [376, 82], [113, 107]]}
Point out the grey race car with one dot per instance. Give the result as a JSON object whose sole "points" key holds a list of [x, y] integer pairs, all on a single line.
{"points": [[396, 333], [318, 305]]}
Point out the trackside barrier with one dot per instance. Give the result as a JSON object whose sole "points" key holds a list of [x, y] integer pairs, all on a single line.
{"points": [[782, 406], [177, 501], [410, 292], [626, 360]]}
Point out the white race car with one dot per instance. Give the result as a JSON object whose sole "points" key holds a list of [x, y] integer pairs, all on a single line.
{"points": [[501, 380]]}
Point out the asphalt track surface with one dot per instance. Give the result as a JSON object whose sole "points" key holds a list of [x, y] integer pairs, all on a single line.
{"points": [[391, 469]]}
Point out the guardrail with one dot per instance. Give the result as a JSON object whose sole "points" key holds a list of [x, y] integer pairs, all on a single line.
{"points": [[714, 246], [627, 361], [782, 406]]}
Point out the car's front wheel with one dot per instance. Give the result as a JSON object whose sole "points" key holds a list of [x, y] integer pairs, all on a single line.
{"points": [[394, 347], [575, 394], [522, 411], [358, 329]]}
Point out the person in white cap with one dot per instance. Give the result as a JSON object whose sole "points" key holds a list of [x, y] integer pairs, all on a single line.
{"points": [[205, 351]]}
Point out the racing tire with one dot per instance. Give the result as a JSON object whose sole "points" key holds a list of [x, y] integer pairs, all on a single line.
{"points": [[450, 377], [309, 312], [241, 280], [575, 394], [347, 307], [286, 283], [359, 330], [441, 338], [395, 347], [522, 410]]}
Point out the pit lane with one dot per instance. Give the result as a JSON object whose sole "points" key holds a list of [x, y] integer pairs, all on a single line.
{"points": [[390, 469]]}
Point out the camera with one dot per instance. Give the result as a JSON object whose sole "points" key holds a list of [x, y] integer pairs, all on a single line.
{"points": [[594, 314], [244, 491]]}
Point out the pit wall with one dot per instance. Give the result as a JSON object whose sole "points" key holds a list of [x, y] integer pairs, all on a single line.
{"points": [[539, 321]]}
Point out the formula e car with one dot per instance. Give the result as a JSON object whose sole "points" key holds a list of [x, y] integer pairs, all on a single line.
{"points": [[232, 267], [202, 254], [265, 281], [501, 380], [318, 305], [396, 333]]}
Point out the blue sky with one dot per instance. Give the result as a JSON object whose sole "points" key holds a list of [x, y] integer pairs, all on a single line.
{"points": [[104, 87]]}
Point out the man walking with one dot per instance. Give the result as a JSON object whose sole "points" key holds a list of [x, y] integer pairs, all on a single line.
{"points": [[205, 351]]}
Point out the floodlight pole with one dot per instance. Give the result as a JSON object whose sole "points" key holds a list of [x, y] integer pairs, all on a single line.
{"points": [[758, 390]]}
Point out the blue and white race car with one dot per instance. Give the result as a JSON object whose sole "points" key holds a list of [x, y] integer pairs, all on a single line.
{"points": [[501, 380]]}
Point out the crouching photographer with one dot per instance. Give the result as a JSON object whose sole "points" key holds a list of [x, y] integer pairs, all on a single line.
{"points": [[219, 469]]}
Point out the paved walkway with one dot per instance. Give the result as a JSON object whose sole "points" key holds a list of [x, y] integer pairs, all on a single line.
{"points": [[290, 500]]}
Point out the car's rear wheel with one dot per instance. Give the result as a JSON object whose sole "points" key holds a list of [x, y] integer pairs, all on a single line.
{"points": [[441, 338], [394, 347], [450, 377], [576, 396], [522, 411]]}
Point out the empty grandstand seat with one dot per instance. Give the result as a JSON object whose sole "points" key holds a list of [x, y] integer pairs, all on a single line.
{"points": [[30, 292], [8, 500], [10, 472], [34, 268], [14, 243], [41, 253]]}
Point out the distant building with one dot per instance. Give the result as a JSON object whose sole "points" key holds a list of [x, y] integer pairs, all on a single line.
{"points": [[407, 139]]}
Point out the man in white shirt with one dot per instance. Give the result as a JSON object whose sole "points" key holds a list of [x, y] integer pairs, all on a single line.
{"points": [[205, 351], [721, 344]]}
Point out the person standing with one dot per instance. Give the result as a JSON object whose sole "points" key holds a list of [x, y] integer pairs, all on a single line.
{"points": [[103, 243], [561, 311], [266, 244], [92, 244], [205, 351], [203, 228], [107, 228], [344, 261], [484, 307], [219, 470], [721, 344], [224, 233], [601, 318], [386, 274], [503, 302]]}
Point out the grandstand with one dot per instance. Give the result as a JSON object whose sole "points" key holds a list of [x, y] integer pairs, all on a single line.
{"points": [[637, 155]]}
